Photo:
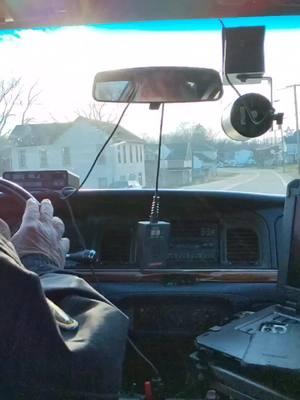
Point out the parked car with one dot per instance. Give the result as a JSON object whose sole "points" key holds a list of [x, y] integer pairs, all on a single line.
{"points": [[251, 162], [125, 185]]}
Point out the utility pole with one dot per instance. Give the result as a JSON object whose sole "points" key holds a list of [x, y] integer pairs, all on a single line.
{"points": [[297, 125], [294, 86], [282, 148]]}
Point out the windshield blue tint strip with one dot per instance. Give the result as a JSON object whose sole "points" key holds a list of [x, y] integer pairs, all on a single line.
{"points": [[271, 23], [282, 22]]}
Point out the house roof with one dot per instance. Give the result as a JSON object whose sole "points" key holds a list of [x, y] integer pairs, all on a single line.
{"points": [[120, 135], [48, 133], [178, 151], [291, 139], [204, 157], [38, 134]]}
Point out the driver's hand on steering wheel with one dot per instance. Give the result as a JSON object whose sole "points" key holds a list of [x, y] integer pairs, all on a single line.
{"points": [[40, 233]]}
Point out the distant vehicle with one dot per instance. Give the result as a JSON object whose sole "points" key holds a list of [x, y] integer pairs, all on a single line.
{"points": [[125, 185], [230, 163]]}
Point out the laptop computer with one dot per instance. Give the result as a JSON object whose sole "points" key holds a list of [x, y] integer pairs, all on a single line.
{"points": [[270, 337]]}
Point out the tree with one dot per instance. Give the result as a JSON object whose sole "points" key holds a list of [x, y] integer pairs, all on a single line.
{"points": [[149, 139], [30, 99], [9, 96], [96, 111], [16, 102], [196, 134]]}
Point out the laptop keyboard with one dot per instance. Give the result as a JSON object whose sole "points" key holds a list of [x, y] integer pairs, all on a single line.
{"points": [[273, 323]]}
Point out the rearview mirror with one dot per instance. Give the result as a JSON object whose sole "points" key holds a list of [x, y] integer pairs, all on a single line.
{"points": [[158, 85]]}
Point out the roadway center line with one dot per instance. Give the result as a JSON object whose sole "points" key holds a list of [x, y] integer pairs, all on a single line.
{"points": [[230, 187]]}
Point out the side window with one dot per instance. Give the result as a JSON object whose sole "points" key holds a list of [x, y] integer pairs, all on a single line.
{"points": [[130, 153], [124, 154], [22, 159], [43, 159], [141, 154], [136, 153], [66, 156], [119, 155]]}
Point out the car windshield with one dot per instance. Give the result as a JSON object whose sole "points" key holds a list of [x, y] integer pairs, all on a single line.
{"points": [[48, 119]]}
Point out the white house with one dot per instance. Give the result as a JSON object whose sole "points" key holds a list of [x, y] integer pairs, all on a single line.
{"points": [[175, 165], [204, 161], [74, 146]]}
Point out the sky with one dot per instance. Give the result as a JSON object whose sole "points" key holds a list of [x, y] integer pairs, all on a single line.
{"points": [[63, 62]]}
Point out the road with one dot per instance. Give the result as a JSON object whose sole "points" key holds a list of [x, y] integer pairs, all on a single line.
{"points": [[251, 180]]}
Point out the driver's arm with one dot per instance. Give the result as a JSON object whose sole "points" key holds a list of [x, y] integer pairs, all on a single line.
{"points": [[39, 241]]}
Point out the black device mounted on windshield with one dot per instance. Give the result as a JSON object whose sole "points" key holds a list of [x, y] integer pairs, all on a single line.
{"points": [[243, 54]]}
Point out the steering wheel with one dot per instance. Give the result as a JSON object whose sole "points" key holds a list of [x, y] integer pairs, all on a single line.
{"points": [[14, 189]]}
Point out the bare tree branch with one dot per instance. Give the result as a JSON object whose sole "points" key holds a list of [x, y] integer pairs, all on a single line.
{"points": [[16, 102], [32, 96], [9, 102], [6, 88], [95, 111]]}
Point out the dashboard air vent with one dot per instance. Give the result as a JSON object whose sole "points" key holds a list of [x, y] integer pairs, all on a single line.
{"points": [[242, 246]]}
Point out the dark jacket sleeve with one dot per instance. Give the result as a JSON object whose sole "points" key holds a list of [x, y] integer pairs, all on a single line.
{"points": [[27, 328], [39, 264], [37, 359]]}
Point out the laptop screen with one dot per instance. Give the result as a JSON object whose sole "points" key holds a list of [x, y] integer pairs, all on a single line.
{"points": [[293, 273], [288, 246]]}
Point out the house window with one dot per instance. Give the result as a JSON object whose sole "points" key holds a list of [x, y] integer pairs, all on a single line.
{"points": [[136, 153], [124, 154], [131, 154], [43, 159], [66, 155], [101, 159], [119, 155], [141, 154], [22, 159]]}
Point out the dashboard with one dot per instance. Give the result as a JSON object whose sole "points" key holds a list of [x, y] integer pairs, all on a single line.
{"points": [[209, 230], [237, 239], [223, 253]]}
